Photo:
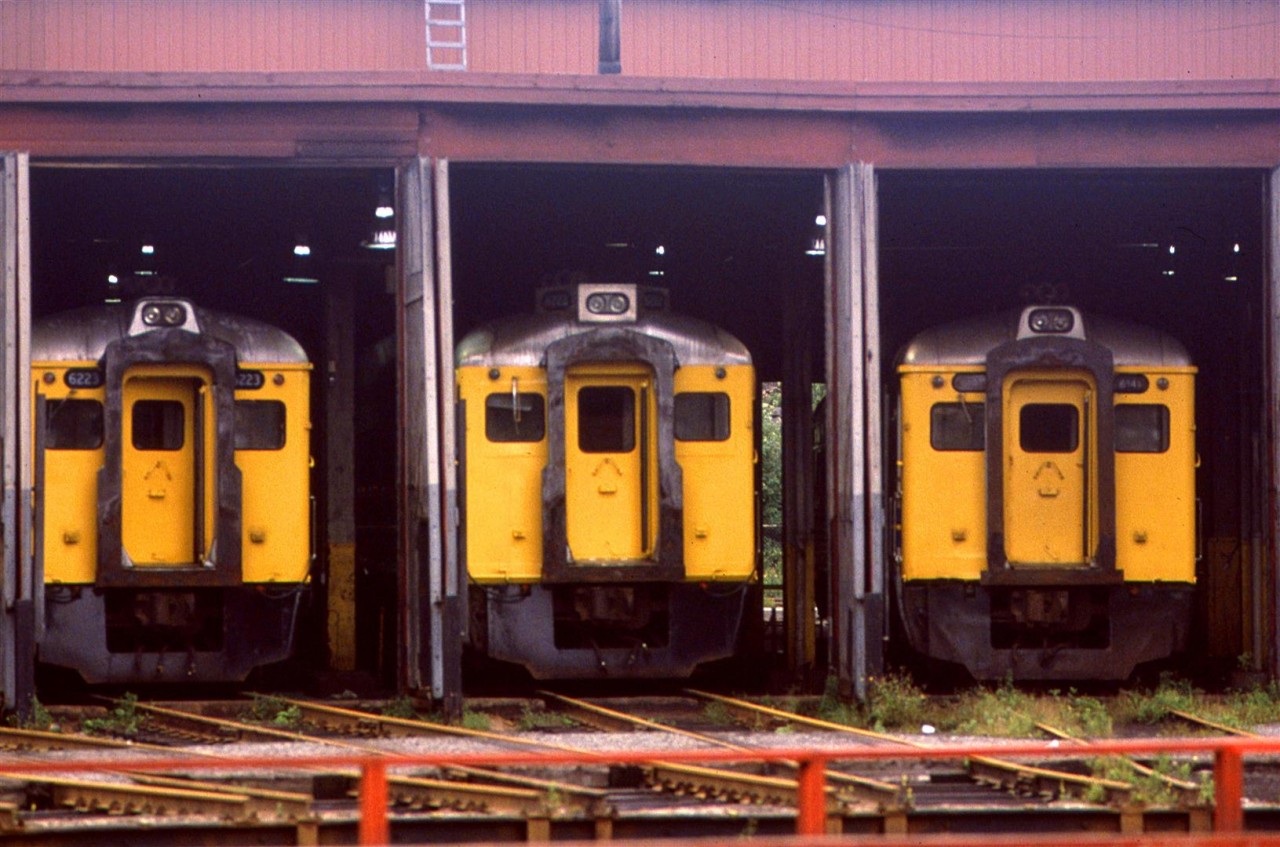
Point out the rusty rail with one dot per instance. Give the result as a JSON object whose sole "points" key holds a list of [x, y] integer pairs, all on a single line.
{"points": [[374, 827]]}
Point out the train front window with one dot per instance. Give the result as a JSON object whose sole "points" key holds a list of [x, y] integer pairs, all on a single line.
{"points": [[73, 425], [1049, 428], [606, 419], [260, 424], [158, 425], [957, 426], [702, 416], [1142, 428], [508, 418]]}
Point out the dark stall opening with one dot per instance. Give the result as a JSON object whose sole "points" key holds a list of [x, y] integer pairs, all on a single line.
{"points": [[308, 250], [1180, 251], [735, 248]]}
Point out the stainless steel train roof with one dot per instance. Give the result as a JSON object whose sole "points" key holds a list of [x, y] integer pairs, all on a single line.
{"points": [[83, 334], [967, 342], [522, 340]]}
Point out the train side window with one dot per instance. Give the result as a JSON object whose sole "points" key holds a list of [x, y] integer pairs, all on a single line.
{"points": [[702, 416], [1142, 428], [606, 419], [525, 419], [158, 425], [73, 425], [260, 424], [1049, 428], [958, 426]]}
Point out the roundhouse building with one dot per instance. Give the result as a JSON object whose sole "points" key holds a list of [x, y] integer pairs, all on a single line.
{"points": [[825, 179]]}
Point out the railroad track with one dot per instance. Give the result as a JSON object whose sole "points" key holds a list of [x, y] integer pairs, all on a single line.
{"points": [[537, 801], [1017, 777]]}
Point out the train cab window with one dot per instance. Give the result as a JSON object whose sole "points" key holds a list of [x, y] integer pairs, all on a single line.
{"points": [[702, 416], [522, 418], [606, 419], [1049, 428], [1142, 428], [260, 424], [73, 425], [957, 426], [158, 425]]}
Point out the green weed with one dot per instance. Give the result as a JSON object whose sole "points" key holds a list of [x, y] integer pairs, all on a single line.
{"points": [[401, 707], [477, 721], [535, 719], [123, 720], [895, 702]]}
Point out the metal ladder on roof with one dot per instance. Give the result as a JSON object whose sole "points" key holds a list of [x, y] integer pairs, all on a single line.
{"points": [[446, 35]]}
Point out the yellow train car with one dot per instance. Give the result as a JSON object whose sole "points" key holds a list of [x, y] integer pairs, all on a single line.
{"points": [[1047, 495], [608, 485], [172, 473]]}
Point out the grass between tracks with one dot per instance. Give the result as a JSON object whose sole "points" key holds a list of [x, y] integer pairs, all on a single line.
{"points": [[896, 704]]}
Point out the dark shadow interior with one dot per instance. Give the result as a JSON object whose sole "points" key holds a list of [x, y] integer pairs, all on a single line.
{"points": [[732, 242], [1180, 251], [226, 238]]}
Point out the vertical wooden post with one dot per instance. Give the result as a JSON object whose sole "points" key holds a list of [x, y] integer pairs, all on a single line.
{"points": [[21, 593], [1271, 470], [418, 431], [537, 830], [450, 627], [798, 588], [338, 377], [374, 828], [855, 483]]}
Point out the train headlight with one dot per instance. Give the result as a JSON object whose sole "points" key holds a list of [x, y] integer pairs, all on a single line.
{"points": [[164, 314], [1051, 320], [606, 303], [603, 303]]}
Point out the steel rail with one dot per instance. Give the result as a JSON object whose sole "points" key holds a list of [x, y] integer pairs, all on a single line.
{"points": [[1189, 792], [290, 805], [128, 798], [1228, 756], [529, 801], [863, 788], [854, 787], [990, 770], [1192, 718], [13, 738], [412, 727]]}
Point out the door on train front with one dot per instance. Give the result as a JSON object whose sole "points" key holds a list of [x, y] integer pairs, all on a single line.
{"points": [[610, 467], [1049, 486], [167, 475]]}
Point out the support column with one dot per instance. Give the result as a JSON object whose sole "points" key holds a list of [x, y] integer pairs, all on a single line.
{"points": [[339, 448], [21, 590], [1271, 395], [798, 585], [432, 590], [855, 495]]}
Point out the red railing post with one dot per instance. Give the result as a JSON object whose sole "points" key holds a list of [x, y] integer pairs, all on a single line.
{"points": [[1228, 790], [811, 816], [373, 803]]}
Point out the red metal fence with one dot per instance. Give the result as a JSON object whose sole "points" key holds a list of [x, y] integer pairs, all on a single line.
{"points": [[374, 827]]}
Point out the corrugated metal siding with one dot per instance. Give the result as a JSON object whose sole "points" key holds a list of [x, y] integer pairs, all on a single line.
{"points": [[808, 40], [890, 40], [953, 40], [543, 36], [211, 35]]}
